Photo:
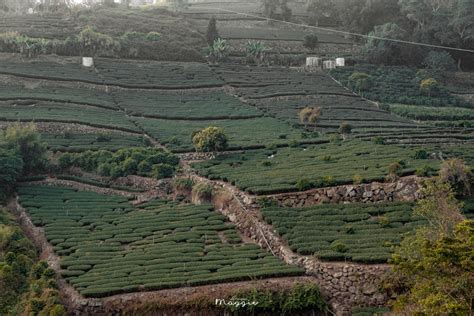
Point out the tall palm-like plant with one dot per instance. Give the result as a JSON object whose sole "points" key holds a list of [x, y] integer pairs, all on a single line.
{"points": [[255, 51], [219, 50]]}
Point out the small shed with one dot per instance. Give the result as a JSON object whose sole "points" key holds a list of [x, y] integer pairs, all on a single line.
{"points": [[329, 64], [340, 62], [313, 61]]}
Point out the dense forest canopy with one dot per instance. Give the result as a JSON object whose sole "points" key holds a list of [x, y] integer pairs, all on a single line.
{"points": [[437, 22]]}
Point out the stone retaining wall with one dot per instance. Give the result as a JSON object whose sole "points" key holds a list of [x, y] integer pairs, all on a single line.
{"points": [[346, 285], [405, 189]]}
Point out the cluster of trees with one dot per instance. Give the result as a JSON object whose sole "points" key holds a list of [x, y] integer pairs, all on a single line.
{"points": [[24, 6], [438, 22], [27, 287], [127, 161], [89, 42], [210, 139], [433, 268], [21, 153]]}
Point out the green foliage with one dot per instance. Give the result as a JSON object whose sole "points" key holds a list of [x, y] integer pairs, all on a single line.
{"points": [[425, 171], [298, 299], [11, 168], [210, 139], [384, 221], [154, 246], [379, 140], [421, 154], [126, 161], [255, 51], [26, 140], [433, 272], [429, 86], [341, 232], [22, 281], [93, 43], [303, 184], [218, 51], [439, 62], [277, 9], [357, 179], [339, 246], [162, 170], [360, 81], [398, 84], [291, 164], [311, 41], [386, 52]]}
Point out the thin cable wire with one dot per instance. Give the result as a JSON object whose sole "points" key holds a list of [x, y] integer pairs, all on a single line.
{"points": [[345, 32]]}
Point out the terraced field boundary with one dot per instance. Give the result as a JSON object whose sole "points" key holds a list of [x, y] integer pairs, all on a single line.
{"points": [[168, 299], [346, 284]]}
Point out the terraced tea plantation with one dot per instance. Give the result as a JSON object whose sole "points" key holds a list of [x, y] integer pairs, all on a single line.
{"points": [[397, 85], [335, 110], [340, 232], [279, 170], [242, 133], [108, 247], [76, 142], [184, 105], [264, 82], [440, 116], [41, 91], [149, 74], [43, 111], [356, 232]]}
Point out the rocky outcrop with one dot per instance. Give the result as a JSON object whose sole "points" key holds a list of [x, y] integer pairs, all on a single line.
{"points": [[405, 189]]}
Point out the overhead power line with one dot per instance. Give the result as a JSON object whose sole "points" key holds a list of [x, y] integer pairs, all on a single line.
{"points": [[345, 32]]}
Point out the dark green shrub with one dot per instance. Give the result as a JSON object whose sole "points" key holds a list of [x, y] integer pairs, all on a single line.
{"points": [[162, 170], [384, 221], [311, 41], [425, 171], [360, 81], [420, 154], [379, 140], [294, 143], [303, 184], [103, 138], [36, 305], [267, 163], [339, 246]]}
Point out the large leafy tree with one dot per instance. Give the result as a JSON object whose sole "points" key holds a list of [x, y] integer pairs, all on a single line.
{"points": [[11, 167], [26, 141], [276, 9], [210, 139], [434, 268], [387, 52]]}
